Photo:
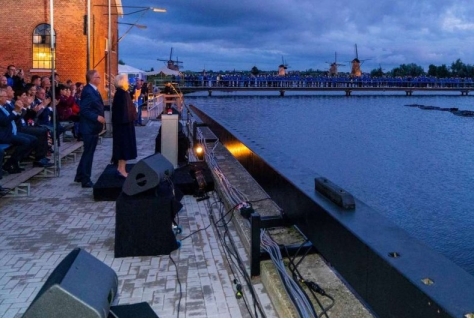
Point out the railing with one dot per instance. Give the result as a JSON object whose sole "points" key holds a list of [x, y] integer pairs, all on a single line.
{"points": [[155, 105], [285, 82], [396, 275]]}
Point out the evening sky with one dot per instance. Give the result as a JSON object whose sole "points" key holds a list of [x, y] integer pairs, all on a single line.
{"points": [[226, 34]]}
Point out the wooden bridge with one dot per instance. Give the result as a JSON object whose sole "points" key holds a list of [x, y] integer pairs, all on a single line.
{"points": [[464, 91]]}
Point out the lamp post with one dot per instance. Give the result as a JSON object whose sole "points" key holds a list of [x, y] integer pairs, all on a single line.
{"points": [[110, 45], [53, 98]]}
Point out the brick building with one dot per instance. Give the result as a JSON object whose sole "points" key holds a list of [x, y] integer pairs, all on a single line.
{"points": [[25, 34]]}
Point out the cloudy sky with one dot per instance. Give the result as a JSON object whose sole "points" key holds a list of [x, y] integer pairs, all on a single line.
{"points": [[239, 34]]}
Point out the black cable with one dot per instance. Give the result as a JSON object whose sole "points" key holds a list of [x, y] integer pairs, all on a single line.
{"points": [[179, 284], [229, 261], [196, 231], [241, 266], [311, 285]]}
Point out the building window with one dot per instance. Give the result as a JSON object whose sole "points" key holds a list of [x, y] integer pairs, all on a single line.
{"points": [[42, 47]]}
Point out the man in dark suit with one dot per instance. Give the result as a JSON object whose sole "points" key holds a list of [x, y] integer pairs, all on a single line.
{"points": [[23, 143], [91, 124]]}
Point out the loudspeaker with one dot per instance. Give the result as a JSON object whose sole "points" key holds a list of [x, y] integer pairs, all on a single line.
{"points": [[143, 223], [147, 174], [137, 310], [80, 286]]}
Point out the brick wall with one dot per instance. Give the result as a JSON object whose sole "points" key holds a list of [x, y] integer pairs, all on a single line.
{"points": [[20, 18]]}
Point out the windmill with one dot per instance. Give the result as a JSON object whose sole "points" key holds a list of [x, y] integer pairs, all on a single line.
{"points": [[333, 66], [282, 67], [356, 63], [172, 64]]}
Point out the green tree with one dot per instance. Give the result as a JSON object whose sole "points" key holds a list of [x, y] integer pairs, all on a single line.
{"points": [[255, 70], [458, 68], [121, 62], [443, 72], [377, 72], [411, 69], [432, 70]]}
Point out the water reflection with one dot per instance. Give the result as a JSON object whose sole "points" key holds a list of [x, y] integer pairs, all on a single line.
{"points": [[414, 166]]}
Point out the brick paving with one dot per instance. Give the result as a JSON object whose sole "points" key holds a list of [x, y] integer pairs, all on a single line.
{"points": [[38, 231]]}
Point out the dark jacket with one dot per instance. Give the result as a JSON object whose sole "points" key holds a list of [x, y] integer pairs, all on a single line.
{"points": [[123, 109], [91, 107], [6, 129]]}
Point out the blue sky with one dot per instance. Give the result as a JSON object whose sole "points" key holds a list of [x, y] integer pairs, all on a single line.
{"points": [[228, 34]]}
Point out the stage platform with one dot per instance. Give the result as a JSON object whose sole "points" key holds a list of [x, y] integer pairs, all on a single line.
{"points": [[109, 185]]}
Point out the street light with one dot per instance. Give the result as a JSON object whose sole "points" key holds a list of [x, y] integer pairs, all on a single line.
{"points": [[109, 37], [139, 26], [141, 9]]}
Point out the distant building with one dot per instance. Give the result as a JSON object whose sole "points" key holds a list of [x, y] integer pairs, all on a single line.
{"points": [[26, 37]]}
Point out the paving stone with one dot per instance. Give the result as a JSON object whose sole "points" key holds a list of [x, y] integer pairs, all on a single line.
{"points": [[38, 231]]}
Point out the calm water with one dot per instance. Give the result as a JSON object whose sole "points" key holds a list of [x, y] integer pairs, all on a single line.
{"points": [[414, 166]]}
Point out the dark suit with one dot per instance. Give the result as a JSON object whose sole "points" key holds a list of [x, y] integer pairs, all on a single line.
{"points": [[41, 133], [91, 107], [24, 143]]}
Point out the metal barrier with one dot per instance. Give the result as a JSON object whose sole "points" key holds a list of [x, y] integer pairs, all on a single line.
{"points": [[395, 274], [155, 105]]}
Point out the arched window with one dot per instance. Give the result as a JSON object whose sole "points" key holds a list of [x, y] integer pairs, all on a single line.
{"points": [[42, 47]]}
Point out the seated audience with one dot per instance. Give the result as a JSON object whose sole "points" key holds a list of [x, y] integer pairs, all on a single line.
{"points": [[24, 143], [41, 133]]}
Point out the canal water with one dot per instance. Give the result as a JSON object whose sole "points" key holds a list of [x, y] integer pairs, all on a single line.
{"points": [[414, 166]]}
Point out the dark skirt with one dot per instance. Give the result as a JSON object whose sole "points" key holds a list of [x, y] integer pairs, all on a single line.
{"points": [[125, 142]]}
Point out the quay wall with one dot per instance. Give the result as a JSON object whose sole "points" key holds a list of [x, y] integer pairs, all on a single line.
{"points": [[396, 275]]}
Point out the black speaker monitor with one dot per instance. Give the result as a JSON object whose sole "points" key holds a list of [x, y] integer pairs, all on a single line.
{"points": [[147, 174], [144, 223], [80, 286]]}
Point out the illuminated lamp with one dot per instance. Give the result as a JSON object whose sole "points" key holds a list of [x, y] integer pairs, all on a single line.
{"points": [[199, 151]]}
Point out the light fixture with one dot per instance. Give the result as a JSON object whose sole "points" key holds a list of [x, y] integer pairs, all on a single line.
{"points": [[139, 26], [199, 151], [141, 9], [158, 10]]}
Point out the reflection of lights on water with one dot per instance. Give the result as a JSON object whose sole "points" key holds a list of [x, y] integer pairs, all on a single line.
{"points": [[238, 149]]}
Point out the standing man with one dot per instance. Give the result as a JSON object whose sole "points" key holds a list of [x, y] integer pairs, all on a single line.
{"points": [[91, 124], [137, 98]]}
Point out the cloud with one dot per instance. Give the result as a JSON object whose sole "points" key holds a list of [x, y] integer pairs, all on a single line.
{"points": [[227, 35]]}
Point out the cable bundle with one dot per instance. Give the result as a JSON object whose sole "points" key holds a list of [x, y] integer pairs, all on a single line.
{"points": [[238, 199], [300, 299]]}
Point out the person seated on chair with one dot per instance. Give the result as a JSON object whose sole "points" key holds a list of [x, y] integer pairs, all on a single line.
{"points": [[46, 118], [3, 191], [39, 132], [67, 108], [24, 143]]}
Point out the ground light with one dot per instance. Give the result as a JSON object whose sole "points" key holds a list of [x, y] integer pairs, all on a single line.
{"points": [[199, 151]]}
